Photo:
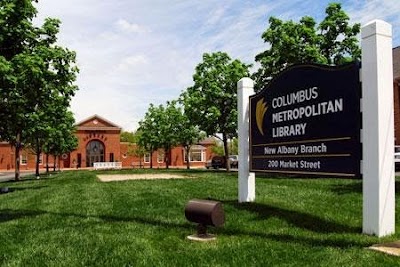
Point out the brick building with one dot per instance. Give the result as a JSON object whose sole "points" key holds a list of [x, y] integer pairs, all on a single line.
{"points": [[99, 141]]}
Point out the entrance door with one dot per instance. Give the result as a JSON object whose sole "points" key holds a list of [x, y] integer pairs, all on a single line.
{"points": [[94, 152], [66, 160], [79, 165]]}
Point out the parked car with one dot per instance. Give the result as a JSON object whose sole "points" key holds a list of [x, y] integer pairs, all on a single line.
{"points": [[397, 157], [219, 162], [234, 161]]}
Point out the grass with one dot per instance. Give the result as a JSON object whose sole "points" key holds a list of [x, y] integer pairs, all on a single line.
{"points": [[72, 219]]}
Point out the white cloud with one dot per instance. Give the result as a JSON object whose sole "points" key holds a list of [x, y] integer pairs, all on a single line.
{"points": [[387, 10], [126, 26], [132, 62]]}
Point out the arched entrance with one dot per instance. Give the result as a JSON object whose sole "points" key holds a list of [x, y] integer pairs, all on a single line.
{"points": [[94, 152]]}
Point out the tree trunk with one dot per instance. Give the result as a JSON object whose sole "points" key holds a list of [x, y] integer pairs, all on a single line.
{"points": [[54, 162], [151, 159], [17, 159], [166, 157], [37, 166], [37, 158], [226, 154], [47, 163], [187, 150]]}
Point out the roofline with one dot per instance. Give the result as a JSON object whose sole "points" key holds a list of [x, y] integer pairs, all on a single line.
{"points": [[98, 117], [102, 128]]}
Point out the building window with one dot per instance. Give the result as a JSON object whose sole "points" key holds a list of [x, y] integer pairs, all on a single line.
{"points": [[95, 152], [111, 157], [24, 159], [147, 158], [160, 156], [195, 155]]}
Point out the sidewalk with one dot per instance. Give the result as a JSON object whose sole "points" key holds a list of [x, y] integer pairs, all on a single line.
{"points": [[10, 175]]}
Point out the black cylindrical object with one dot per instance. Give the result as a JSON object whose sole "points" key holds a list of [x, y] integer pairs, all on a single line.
{"points": [[205, 212], [4, 190]]}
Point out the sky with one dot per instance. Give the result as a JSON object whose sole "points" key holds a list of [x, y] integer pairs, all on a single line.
{"points": [[135, 52]]}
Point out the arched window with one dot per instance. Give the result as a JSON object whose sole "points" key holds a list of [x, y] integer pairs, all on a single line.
{"points": [[94, 152]]}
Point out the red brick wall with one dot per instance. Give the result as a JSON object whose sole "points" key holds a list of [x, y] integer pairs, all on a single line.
{"points": [[176, 157], [110, 140], [7, 158]]}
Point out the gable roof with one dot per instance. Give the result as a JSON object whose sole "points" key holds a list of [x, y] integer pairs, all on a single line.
{"points": [[208, 141], [97, 122]]}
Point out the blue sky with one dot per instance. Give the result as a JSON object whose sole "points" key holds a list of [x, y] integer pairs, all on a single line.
{"points": [[135, 52]]}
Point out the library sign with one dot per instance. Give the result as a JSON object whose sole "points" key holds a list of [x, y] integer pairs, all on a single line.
{"points": [[307, 121]]}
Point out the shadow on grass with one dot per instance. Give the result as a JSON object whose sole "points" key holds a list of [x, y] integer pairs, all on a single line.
{"points": [[27, 179], [344, 189], [298, 219], [9, 214], [356, 188], [190, 228], [15, 189], [147, 221], [320, 241], [12, 189]]}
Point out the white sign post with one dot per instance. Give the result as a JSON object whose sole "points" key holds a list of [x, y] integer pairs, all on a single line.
{"points": [[246, 181], [378, 129]]}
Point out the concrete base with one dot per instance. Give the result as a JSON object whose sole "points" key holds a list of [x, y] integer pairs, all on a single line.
{"points": [[392, 248], [202, 237]]}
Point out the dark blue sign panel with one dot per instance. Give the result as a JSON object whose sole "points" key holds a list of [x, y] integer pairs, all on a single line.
{"points": [[307, 121]]}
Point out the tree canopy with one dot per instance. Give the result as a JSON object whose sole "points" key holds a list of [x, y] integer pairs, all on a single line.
{"points": [[166, 126], [333, 42], [211, 102], [37, 76]]}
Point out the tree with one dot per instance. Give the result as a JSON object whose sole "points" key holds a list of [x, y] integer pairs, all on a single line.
{"points": [[148, 127], [16, 33], [61, 136], [187, 134], [162, 121], [128, 137], [218, 148], [211, 102], [164, 127], [136, 149], [53, 93], [133, 147], [333, 42], [167, 118], [34, 72]]}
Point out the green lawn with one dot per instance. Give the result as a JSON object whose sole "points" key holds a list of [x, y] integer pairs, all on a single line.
{"points": [[72, 219]]}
